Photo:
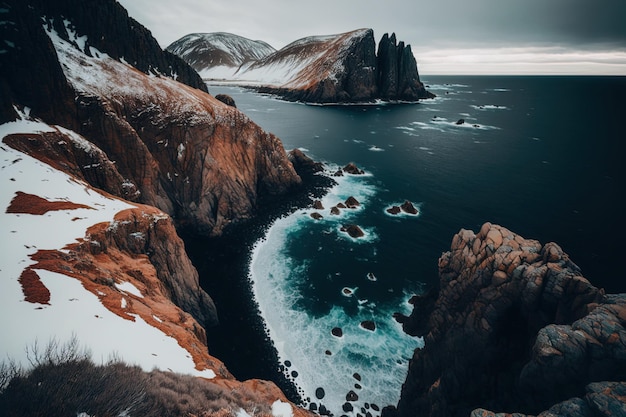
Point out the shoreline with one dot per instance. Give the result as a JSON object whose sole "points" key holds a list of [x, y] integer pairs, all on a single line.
{"points": [[241, 339]]}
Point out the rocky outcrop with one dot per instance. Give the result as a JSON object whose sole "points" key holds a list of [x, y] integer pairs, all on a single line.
{"points": [[146, 232], [174, 146], [339, 68], [397, 75], [31, 73], [515, 328], [360, 75]]}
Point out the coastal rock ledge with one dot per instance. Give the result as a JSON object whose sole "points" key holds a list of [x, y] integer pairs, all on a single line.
{"points": [[514, 327]]}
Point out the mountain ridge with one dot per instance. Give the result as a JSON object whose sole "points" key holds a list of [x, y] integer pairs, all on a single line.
{"points": [[342, 68]]}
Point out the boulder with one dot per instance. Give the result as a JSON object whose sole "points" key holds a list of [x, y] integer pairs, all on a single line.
{"points": [[408, 207], [368, 325], [353, 230], [337, 332], [352, 202], [393, 210], [351, 168], [226, 99]]}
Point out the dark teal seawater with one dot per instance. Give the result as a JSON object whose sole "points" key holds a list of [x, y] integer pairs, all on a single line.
{"points": [[542, 156]]}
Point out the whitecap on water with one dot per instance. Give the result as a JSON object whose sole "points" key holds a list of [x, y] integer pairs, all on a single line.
{"points": [[489, 107], [318, 358]]}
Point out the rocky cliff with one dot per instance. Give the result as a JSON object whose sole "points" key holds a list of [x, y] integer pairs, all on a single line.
{"points": [[514, 327], [320, 69], [133, 264], [101, 102], [184, 152]]}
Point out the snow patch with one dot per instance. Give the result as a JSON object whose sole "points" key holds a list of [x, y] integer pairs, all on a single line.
{"points": [[23, 323], [129, 288], [281, 409]]}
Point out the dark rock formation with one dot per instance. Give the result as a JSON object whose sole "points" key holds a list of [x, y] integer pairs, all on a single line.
{"points": [[460, 122], [226, 99], [394, 210], [342, 68], [303, 164], [408, 207], [31, 74], [316, 215], [353, 230], [352, 396], [515, 327], [397, 75], [368, 325], [599, 399], [336, 331], [351, 168], [352, 202]]}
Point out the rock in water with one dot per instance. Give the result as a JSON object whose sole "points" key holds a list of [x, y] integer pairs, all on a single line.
{"points": [[408, 207], [351, 168], [352, 202], [226, 99], [353, 230]]}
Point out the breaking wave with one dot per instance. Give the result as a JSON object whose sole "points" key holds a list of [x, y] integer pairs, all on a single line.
{"points": [[371, 363]]}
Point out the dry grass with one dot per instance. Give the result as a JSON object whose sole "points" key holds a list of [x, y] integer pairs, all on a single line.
{"points": [[63, 381]]}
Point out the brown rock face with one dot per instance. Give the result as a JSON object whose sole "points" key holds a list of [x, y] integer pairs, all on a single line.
{"points": [[174, 146], [515, 327]]}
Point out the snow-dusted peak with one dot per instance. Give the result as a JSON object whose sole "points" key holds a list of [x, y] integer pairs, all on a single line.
{"points": [[219, 51]]}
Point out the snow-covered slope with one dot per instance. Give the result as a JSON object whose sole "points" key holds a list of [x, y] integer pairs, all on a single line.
{"points": [[68, 309], [342, 68], [218, 55], [303, 61]]}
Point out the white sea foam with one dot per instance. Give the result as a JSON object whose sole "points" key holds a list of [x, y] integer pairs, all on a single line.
{"points": [[490, 107], [305, 340]]}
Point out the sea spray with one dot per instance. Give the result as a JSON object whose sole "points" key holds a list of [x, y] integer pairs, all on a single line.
{"points": [[300, 317]]}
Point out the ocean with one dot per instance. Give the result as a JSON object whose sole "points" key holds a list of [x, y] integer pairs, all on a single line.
{"points": [[539, 155]]}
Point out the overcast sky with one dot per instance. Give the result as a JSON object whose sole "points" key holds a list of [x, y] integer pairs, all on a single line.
{"points": [[447, 36]]}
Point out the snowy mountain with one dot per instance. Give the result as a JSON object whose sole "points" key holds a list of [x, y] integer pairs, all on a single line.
{"points": [[323, 69], [218, 55]]}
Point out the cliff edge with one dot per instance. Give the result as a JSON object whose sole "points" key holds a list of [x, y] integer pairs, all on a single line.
{"points": [[514, 327]]}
